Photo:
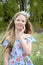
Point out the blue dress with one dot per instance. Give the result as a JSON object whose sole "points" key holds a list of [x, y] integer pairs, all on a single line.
{"points": [[18, 55]]}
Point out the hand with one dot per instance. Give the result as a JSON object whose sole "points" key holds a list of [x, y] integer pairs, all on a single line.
{"points": [[22, 31]]}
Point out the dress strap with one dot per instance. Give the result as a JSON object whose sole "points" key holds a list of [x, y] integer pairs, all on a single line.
{"points": [[30, 39], [5, 43]]}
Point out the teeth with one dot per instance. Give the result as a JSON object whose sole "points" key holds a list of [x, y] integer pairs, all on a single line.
{"points": [[19, 25]]}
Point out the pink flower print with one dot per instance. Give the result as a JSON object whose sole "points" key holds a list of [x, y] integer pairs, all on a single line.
{"points": [[23, 54], [20, 46], [12, 62], [18, 59]]}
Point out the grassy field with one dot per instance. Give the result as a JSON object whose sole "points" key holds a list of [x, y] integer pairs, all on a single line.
{"points": [[37, 50]]}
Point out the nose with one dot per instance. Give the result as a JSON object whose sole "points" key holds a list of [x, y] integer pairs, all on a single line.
{"points": [[20, 21]]}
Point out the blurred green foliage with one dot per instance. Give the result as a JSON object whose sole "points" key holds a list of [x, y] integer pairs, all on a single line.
{"points": [[10, 7], [7, 11], [36, 11]]}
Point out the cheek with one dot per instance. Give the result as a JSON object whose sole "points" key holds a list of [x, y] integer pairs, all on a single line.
{"points": [[16, 23], [24, 24]]}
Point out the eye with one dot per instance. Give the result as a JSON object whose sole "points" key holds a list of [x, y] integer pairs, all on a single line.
{"points": [[18, 19], [23, 21]]}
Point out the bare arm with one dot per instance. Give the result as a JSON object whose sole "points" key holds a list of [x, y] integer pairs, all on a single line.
{"points": [[26, 46], [6, 56]]}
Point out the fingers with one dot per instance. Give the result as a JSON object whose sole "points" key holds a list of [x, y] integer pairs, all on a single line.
{"points": [[22, 30], [24, 27]]}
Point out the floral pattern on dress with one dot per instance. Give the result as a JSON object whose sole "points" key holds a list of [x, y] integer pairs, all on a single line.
{"points": [[18, 55]]}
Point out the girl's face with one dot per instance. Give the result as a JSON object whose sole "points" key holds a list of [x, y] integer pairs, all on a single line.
{"points": [[20, 22]]}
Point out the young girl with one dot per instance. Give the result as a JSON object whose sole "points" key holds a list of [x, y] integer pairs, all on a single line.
{"points": [[18, 41]]}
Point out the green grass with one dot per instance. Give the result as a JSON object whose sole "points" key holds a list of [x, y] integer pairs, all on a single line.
{"points": [[38, 45], [1, 56], [37, 58]]}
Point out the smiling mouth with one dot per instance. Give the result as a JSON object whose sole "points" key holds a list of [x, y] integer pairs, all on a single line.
{"points": [[20, 25]]}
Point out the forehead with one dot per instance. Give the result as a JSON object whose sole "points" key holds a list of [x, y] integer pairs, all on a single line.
{"points": [[21, 17]]}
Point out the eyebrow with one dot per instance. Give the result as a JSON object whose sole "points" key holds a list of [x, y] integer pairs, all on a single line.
{"points": [[22, 19]]}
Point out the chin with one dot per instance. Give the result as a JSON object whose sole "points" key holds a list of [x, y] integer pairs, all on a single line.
{"points": [[19, 28]]}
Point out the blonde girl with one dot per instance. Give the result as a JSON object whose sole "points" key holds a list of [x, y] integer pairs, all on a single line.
{"points": [[18, 41]]}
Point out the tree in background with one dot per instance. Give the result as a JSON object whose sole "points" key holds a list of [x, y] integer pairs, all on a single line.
{"points": [[36, 10], [7, 9]]}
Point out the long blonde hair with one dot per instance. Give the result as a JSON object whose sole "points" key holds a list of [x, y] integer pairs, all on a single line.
{"points": [[11, 30]]}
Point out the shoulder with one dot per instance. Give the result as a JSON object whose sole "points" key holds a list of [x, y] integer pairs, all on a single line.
{"points": [[27, 35], [7, 37], [6, 41], [30, 38]]}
